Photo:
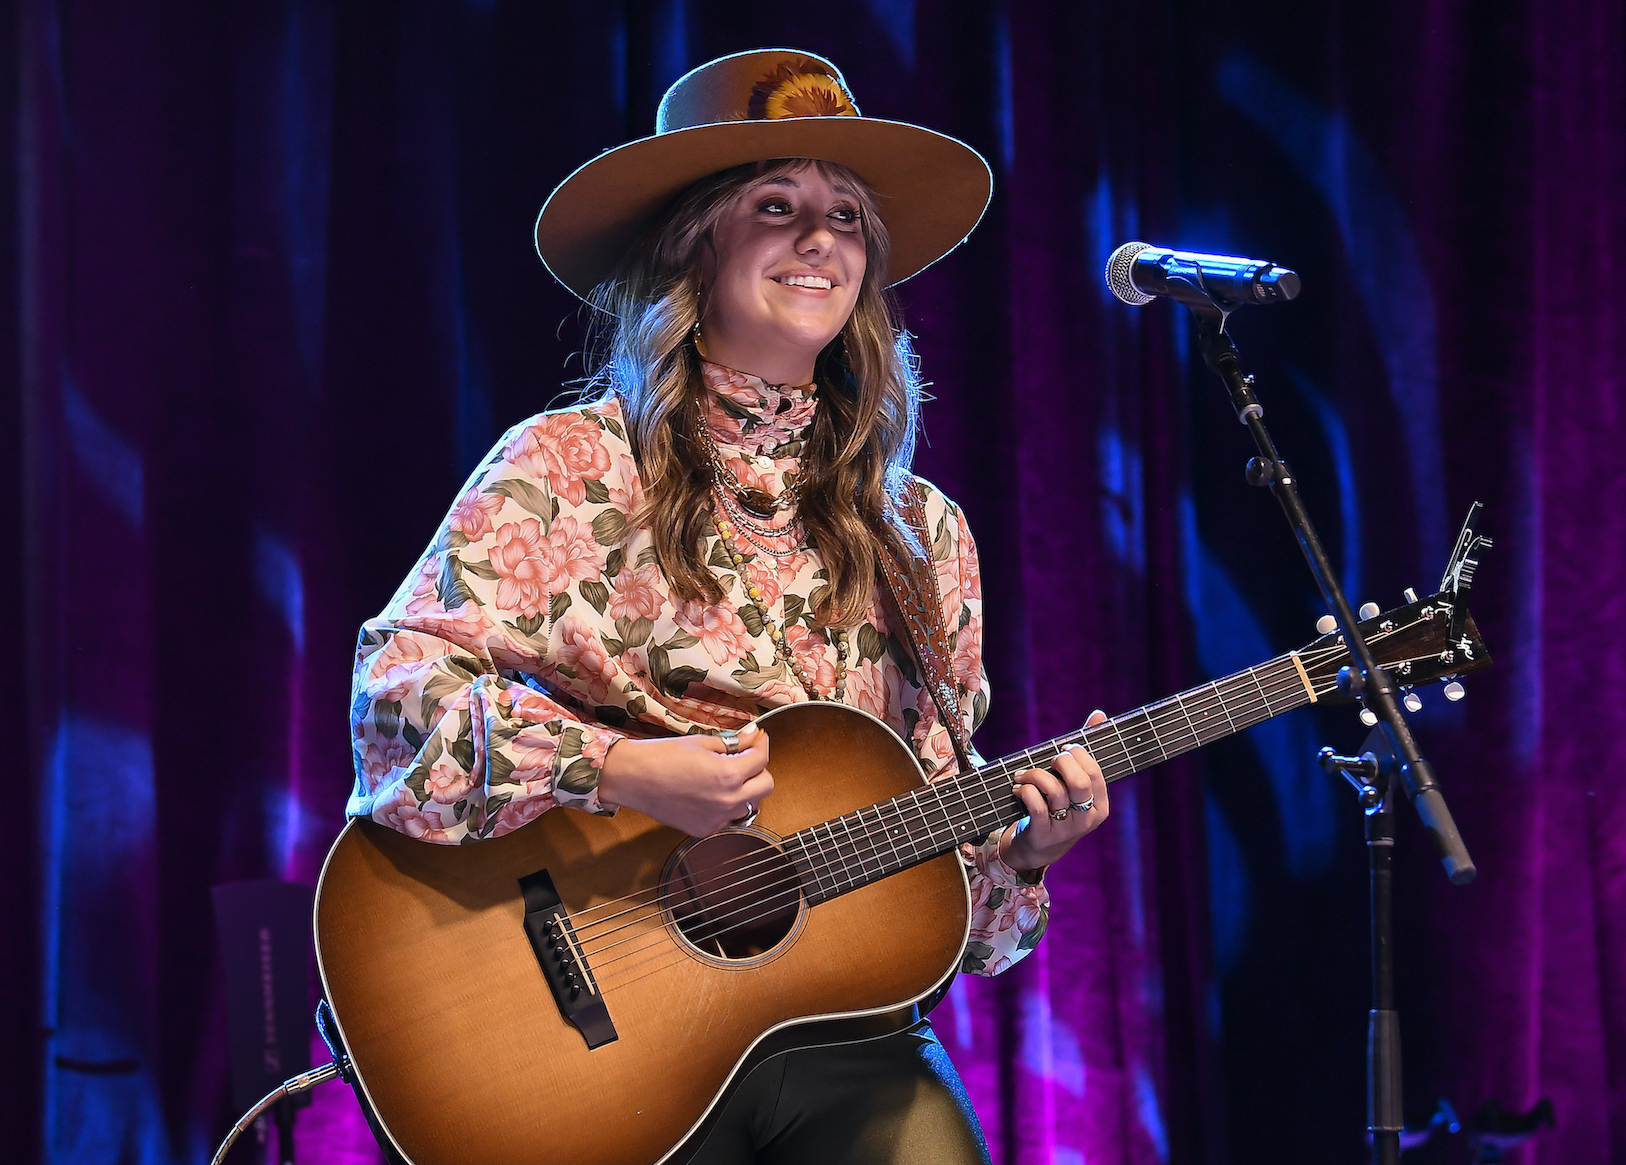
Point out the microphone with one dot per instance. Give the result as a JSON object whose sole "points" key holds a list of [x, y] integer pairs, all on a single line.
{"points": [[1138, 274]]}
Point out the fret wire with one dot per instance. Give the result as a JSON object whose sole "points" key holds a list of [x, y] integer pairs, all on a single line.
{"points": [[1153, 711], [812, 866], [1255, 694], [993, 803], [920, 829], [965, 801], [1146, 716], [843, 868], [1222, 703], [934, 799], [886, 834], [1206, 715], [892, 831], [920, 814], [1180, 705], [1252, 675], [911, 820], [863, 844]]}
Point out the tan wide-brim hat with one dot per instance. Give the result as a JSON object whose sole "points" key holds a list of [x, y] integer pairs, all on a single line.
{"points": [[750, 107]]}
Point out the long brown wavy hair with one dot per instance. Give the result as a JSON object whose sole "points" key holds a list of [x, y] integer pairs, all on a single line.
{"points": [[855, 463]]}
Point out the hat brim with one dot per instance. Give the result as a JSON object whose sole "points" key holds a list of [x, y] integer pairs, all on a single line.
{"points": [[932, 189]]}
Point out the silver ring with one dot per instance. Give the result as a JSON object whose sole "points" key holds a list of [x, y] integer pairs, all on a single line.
{"points": [[1085, 807], [750, 812], [731, 740], [1058, 815]]}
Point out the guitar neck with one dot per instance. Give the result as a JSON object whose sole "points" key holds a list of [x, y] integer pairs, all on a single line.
{"points": [[878, 840]]}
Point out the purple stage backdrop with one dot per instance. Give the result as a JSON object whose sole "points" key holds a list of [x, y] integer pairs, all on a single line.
{"points": [[271, 293]]}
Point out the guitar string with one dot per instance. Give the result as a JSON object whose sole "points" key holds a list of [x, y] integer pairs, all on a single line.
{"points": [[721, 924], [980, 777], [703, 938], [984, 787], [718, 932], [1030, 757], [724, 923], [728, 922]]}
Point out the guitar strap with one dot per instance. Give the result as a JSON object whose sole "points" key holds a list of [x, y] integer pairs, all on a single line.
{"points": [[916, 611]]}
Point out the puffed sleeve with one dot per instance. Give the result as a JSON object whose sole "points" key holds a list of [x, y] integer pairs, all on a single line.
{"points": [[1008, 913], [450, 742]]}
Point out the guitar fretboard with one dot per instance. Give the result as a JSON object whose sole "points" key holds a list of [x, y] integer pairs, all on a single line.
{"points": [[843, 854]]}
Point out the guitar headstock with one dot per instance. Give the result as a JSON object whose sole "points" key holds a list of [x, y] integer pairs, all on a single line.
{"points": [[1414, 644]]}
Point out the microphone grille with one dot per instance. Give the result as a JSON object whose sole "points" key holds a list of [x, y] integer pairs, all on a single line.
{"points": [[1118, 267]]}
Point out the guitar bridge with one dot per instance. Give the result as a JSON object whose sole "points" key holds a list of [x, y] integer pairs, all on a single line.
{"points": [[563, 962]]}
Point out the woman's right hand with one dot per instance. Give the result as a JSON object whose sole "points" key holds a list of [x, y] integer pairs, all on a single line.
{"points": [[690, 783]]}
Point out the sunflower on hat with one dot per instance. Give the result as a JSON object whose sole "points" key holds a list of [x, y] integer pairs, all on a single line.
{"points": [[799, 89]]}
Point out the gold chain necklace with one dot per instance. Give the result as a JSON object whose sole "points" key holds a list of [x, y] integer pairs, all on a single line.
{"points": [[742, 493]]}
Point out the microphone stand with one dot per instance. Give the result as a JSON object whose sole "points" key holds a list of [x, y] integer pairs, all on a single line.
{"points": [[1373, 686]]}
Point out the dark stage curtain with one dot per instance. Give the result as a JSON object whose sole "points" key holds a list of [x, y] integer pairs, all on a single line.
{"points": [[271, 293]]}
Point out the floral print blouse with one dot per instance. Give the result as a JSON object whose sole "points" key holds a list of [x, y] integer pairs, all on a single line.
{"points": [[537, 630]]}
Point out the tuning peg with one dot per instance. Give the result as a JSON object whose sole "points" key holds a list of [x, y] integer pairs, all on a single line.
{"points": [[1411, 595], [1370, 610], [1369, 718], [1413, 702], [1454, 691], [1326, 625]]}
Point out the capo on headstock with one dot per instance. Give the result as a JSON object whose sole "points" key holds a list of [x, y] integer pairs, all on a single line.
{"points": [[1459, 569]]}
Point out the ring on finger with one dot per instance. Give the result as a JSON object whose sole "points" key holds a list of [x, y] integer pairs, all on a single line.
{"points": [[731, 740], [1059, 814], [1082, 806]]}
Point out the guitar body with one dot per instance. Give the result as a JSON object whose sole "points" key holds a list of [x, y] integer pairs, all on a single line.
{"points": [[457, 1038]]}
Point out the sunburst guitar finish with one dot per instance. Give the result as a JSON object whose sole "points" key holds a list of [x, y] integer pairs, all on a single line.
{"points": [[458, 1041]]}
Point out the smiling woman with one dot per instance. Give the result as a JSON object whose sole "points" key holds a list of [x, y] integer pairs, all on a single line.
{"points": [[625, 587], [784, 269]]}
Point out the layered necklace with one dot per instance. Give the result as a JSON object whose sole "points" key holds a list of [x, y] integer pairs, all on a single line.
{"points": [[726, 536], [745, 514], [752, 511]]}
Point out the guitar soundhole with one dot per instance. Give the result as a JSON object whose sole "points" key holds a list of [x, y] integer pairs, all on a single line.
{"points": [[733, 895]]}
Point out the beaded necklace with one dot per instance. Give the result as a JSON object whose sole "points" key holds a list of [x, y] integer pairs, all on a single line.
{"points": [[726, 535]]}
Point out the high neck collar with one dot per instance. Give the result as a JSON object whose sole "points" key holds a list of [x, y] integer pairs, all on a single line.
{"points": [[747, 413]]}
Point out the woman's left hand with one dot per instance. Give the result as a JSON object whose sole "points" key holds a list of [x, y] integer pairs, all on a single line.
{"points": [[1053, 796]]}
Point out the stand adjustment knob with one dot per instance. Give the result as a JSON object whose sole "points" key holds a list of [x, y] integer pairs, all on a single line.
{"points": [[1326, 625], [1454, 691], [1370, 610]]}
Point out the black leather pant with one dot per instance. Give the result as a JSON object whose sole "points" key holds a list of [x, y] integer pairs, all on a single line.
{"points": [[896, 1100]]}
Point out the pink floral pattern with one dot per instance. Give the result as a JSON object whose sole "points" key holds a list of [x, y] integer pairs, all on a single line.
{"points": [[537, 630]]}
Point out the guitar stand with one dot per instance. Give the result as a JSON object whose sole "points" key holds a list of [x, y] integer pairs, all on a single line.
{"points": [[1378, 692]]}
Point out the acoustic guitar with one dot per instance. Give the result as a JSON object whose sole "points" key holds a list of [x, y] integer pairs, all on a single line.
{"points": [[587, 989]]}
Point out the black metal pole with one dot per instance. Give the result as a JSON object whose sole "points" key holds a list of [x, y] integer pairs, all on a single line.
{"points": [[1384, 1118], [1378, 690], [1374, 785]]}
